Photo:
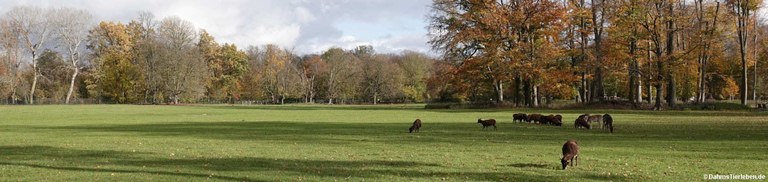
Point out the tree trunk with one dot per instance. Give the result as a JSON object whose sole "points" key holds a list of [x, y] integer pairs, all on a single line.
{"points": [[660, 78], [754, 53], [499, 88], [671, 91], [639, 90], [535, 96], [633, 69], [598, 87], [72, 85], [671, 85], [649, 78], [375, 98], [742, 29], [631, 86], [584, 87], [527, 93], [34, 79], [516, 97]]}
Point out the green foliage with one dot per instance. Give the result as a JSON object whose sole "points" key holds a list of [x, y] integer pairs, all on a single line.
{"points": [[54, 76], [366, 143], [118, 79]]}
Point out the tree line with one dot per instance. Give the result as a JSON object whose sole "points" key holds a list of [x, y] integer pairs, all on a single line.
{"points": [[61, 54], [655, 51], [523, 52]]}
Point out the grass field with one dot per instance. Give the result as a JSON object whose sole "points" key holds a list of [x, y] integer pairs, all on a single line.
{"points": [[366, 143]]}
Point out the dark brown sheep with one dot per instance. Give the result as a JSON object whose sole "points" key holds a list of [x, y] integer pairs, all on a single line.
{"points": [[558, 120], [534, 118], [519, 117], [581, 123], [546, 119], [487, 123], [570, 153], [608, 122], [415, 127]]}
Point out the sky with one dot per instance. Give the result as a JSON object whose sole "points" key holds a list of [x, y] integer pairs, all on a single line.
{"points": [[305, 26]]}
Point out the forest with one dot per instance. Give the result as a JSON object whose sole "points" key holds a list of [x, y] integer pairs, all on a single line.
{"points": [[525, 53]]}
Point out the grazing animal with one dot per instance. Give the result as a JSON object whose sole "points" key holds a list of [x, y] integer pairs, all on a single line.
{"points": [[558, 120], [570, 153], [608, 122], [534, 118], [595, 118], [546, 119], [581, 123], [487, 123], [584, 116], [415, 127], [519, 117]]}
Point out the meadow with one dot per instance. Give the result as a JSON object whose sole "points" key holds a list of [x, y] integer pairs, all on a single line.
{"points": [[367, 143]]}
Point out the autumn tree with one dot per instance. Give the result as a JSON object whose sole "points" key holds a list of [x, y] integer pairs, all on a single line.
{"points": [[342, 77], [381, 78], [416, 70], [147, 53], [706, 35], [276, 74], [116, 74], [741, 10], [226, 65], [311, 68], [495, 41]]}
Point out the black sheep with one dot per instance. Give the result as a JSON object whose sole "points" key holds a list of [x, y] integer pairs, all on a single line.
{"points": [[487, 123], [608, 122], [415, 127], [519, 117], [581, 123]]}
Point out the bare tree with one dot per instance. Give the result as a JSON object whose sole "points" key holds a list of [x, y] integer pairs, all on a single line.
{"points": [[183, 68], [31, 25], [71, 27], [9, 45], [342, 71]]}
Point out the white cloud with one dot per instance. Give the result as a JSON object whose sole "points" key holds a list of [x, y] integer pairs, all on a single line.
{"points": [[307, 26]]}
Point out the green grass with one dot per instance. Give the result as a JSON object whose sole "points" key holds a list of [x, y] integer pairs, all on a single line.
{"points": [[370, 143]]}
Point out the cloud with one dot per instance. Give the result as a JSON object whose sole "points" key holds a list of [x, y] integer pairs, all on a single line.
{"points": [[307, 26]]}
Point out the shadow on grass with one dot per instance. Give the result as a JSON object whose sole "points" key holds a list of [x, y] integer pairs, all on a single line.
{"points": [[418, 107], [125, 162], [455, 133], [605, 177], [308, 132], [25, 155], [530, 165], [320, 107]]}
